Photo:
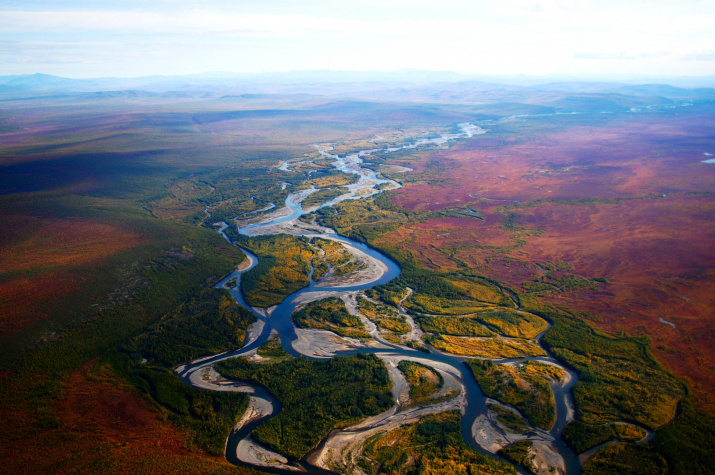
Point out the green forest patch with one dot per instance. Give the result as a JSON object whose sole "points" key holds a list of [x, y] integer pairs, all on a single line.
{"points": [[626, 459], [581, 436], [316, 396], [618, 377], [209, 322], [519, 453], [509, 419], [272, 350]]}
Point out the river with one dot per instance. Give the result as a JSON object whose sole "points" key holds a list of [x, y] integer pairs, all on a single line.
{"points": [[278, 320]]}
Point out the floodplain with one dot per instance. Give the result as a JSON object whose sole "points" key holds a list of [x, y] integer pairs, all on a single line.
{"points": [[540, 247]]}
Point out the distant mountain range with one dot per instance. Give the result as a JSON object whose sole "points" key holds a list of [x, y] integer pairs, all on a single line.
{"points": [[400, 86]]}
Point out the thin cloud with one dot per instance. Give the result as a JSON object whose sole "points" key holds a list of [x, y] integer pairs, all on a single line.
{"points": [[509, 36]]}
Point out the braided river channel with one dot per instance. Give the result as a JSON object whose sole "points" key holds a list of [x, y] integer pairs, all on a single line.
{"points": [[477, 430]]}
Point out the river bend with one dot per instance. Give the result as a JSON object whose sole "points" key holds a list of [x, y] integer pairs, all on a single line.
{"points": [[241, 449]]}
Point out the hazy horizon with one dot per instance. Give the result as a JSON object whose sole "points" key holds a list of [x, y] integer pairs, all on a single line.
{"points": [[427, 74], [313, 80], [81, 39]]}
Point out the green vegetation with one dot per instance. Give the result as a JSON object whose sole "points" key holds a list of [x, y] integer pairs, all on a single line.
{"points": [[509, 419], [284, 265], [512, 323], [362, 220], [390, 293], [518, 453], [688, 442], [559, 284], [316, 396], [210, 322], [204, 415], [387, 318], [518, 387], [618, 377], [283, 268], [349, 267], [322, 196], [160, 282], [168, 263], [453, 293], [415, 345], [330, 314], [628, 432], [272, 349], [423, 380], [419, 303], [496, 348], [462, 212], [322, 178], [625, 459], [459, 326], [333, 254], [208, 416], [581, 436], [432, 445]]}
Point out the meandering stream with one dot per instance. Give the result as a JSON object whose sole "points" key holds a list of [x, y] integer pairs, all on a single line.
{"points": [[200, 373]]}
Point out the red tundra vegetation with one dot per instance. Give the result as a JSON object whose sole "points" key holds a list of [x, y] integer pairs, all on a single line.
{"points": [[628, 201], [105, 427], [48, 260]]}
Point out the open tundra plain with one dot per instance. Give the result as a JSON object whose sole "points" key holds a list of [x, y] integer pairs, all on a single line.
{"points": [[450, 278]]}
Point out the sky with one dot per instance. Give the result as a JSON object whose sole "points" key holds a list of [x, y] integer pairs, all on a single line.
{"points": [[130, 38]]}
